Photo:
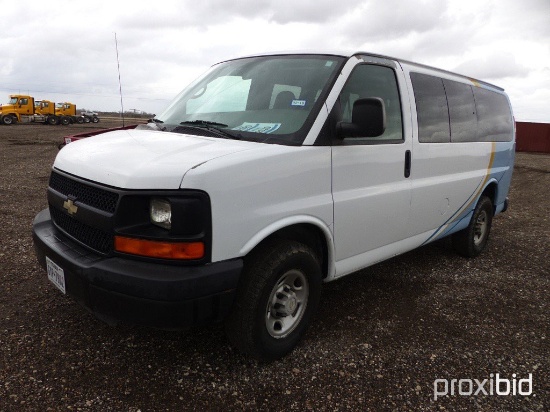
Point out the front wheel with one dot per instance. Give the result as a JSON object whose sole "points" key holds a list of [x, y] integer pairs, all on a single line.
{"points": [[95, 119], [278, 295], [471, 241], [7, 119]]}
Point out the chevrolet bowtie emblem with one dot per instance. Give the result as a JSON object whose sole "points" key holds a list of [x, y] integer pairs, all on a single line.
{"points": [[70, 206]]}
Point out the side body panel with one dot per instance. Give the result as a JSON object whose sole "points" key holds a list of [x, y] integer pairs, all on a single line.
{"points": [[448, 178], [254, 193], [371, 193]]}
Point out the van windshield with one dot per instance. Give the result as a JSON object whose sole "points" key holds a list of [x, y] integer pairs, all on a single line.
{"points": [[272, 99]]}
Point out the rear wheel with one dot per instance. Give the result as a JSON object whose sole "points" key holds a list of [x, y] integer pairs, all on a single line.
{"points": [[95, 119], [80, 120], [278, 295], [53, 120], [471, 241], [65, 120]]}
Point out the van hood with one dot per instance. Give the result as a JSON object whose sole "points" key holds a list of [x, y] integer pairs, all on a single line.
{"points": [[142, 159]]}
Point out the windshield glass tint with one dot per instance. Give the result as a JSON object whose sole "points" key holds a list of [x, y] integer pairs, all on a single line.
{"points": [[259, 98]]}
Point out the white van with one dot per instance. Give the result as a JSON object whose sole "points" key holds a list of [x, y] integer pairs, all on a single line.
{"points": [[266, 177]]}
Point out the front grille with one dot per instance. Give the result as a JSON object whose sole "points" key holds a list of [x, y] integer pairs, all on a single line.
{"points": [[85, 228], [89, 236], [93, 196]]}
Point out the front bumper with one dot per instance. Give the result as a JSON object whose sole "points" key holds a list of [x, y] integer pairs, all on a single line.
{"points": [[115, 289]]}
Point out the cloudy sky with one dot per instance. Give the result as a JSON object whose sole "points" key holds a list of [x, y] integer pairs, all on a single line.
{"points": [[65, 50]]}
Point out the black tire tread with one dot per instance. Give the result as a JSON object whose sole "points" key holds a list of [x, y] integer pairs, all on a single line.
{"points": [[463, 240], [240, 324]]}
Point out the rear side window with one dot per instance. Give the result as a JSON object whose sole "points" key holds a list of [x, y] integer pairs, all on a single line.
{"points": [[462, 111], [493, 115], [450, 111], [431, 109]]}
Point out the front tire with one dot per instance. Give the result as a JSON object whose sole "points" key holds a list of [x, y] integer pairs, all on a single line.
{"points": [[470, 242], [8, 120], [278, 295]]}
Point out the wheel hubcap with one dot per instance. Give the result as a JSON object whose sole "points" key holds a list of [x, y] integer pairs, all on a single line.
{"points": [[287, 303], [480, 228]]}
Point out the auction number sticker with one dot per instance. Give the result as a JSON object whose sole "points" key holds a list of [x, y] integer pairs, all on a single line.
{"points": [[258, 127], [56, 274]]}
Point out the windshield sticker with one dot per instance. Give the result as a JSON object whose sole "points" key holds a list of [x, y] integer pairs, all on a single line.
{"points": [[258, 127], [298, 103]]}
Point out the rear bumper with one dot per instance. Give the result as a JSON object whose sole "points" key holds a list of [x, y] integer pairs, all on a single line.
{"points": [[115, 289]]}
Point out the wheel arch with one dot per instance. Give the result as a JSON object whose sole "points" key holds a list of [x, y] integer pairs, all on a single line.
{"points": [[491, 191], [307, 230], [15, 115]]}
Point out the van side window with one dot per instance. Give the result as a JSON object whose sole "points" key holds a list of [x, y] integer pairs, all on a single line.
{"points": [[452, 111], [462, 111], [374, 81], [431, 109], [494, 116]]}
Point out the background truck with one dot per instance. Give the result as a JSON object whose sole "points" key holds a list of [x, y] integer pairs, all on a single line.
{"points": [[90, 116], [44, 107], [24, 109], [67, 110]]}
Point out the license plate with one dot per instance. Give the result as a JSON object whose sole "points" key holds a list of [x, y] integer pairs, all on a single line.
{"points": [[56, 274]]}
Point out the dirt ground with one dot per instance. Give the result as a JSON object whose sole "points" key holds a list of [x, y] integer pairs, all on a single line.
{"points": [[381, 338]]}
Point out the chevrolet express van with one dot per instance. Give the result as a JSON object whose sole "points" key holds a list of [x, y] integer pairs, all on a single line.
{"points": [[266, 177]]}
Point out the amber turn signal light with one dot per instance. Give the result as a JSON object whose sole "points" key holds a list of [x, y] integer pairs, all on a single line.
{"points": [[157, 249]]}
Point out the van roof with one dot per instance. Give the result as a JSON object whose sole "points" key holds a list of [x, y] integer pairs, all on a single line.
{"points": [[348, 54]]}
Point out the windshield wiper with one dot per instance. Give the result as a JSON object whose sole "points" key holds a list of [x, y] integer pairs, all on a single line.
{"points": [[214, 127], [203, 123]]}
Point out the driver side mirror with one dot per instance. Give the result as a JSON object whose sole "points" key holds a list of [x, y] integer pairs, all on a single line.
{"points": [[368, 119]]}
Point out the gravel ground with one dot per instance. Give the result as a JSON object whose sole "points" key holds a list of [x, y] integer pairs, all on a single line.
{"points": [[381, 338]]}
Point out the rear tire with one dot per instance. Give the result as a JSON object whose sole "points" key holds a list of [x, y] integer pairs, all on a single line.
{"points": [[65, 120], [470, 242], [278, 295], [53, 120], [95, 119]]}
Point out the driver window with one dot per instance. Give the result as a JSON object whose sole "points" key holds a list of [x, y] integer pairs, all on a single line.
{"points": [[374, 81]]}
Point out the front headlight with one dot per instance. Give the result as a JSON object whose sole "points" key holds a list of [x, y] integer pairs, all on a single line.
{"points": [[160, 212]]}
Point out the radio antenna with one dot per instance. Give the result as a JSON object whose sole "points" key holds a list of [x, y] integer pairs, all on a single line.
{"points": [[119, 82]]}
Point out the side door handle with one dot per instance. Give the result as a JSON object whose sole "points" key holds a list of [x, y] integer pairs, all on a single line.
{"points": [[407, 163]]}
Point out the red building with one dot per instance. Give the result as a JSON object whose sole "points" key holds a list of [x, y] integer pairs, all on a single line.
{"points": [[532, 137]]}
